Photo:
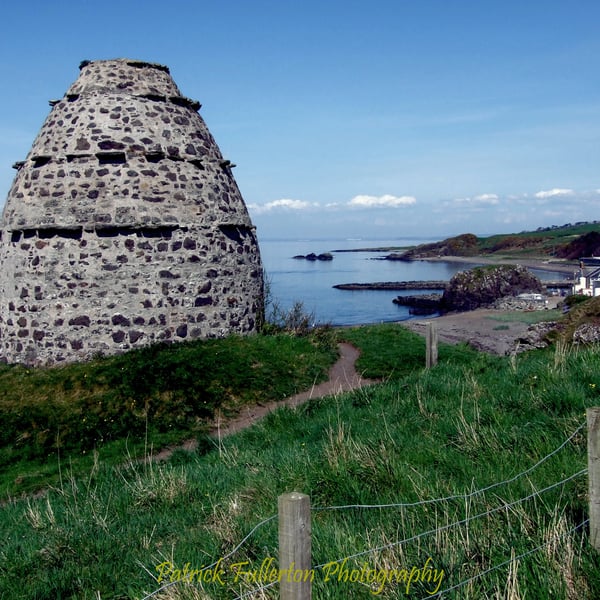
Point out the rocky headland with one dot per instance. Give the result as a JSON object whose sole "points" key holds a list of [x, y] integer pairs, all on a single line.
{"points": [[558, 243], [467, 290], [465, 244]]}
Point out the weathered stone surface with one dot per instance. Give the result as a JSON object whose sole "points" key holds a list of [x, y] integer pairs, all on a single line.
{"points": [[123, 212], [536, 336], [587, 333]]}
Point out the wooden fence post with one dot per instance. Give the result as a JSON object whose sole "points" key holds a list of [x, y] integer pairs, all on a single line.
{"points": [[431, 350], [593, 427], [294, 547]]}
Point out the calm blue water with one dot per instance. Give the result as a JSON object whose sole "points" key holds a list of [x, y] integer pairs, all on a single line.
{"points": [[291, 280]]}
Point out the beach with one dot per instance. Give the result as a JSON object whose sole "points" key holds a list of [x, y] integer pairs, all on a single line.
{"points": [[487, 329], [551, 264]]}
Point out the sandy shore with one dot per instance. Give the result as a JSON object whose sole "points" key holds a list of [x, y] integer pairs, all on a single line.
{"points": [[487, 329], [478, 328], [553, 264]]}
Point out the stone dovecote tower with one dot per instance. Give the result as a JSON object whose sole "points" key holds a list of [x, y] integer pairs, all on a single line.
{"points": [[124, 225]]}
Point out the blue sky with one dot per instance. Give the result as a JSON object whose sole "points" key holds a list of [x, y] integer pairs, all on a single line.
{"points": [[384, 119]]}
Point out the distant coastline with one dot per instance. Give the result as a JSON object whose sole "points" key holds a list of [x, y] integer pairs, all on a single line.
{"points": [[540, 264], [557, 248], [370, 278], [376, 249]]}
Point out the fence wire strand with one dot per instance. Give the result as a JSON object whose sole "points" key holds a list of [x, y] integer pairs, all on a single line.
{"points": [[255, 591], [457, 523], [223, 558], [507, 562], [457, 496], [420, 535]]}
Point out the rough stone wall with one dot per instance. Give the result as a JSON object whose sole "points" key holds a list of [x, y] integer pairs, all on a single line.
{"points": [[124, 225]]}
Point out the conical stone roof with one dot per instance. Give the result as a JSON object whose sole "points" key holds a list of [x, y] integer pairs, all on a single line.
{"points": [[124, 225]]}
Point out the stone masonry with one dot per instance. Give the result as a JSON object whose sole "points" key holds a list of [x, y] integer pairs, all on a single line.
{"points": [[124, 226]]}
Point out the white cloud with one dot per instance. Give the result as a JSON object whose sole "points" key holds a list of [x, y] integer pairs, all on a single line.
{"points": [[284, 204], [478, 200], [387, 200], [554, 192], [361, 201], [487, 198]]}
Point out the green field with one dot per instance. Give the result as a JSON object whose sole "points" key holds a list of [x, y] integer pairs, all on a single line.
{"points": [[566, 242], [466, 464]]}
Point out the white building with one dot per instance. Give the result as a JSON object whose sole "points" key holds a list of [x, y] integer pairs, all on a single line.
{"points": [[588, 282]]}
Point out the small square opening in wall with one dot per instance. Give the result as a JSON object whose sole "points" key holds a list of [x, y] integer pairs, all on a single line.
{"points": [[154, 157], [111, 158], [40, 161]]}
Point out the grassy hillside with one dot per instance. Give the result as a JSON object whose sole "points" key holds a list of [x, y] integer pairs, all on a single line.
{"points": [[159, 395], [566, 241], [471, 431], [551, 241]]}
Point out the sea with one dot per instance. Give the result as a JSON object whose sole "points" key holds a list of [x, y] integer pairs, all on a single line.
{"points": [[291, 280]]}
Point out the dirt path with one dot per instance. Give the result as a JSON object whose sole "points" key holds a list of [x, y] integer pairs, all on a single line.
{"points": [[485, 329], [342, 378]]}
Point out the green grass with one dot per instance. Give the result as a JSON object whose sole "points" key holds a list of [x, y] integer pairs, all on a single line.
{"points": [[528, 317], [470, 422], [392, 352], [535, 243], [157, 395]]}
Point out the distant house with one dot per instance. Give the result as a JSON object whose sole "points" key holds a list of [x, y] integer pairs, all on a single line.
{"points": [[588, 282]]}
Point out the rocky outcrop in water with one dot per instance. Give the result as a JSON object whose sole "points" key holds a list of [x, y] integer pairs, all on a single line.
{"points": [[393, 285], [312, 256], [482, 286], [422, 304]]}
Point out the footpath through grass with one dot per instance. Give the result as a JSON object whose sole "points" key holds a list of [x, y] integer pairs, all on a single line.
{"points": [[470, 424], [146, 398]]}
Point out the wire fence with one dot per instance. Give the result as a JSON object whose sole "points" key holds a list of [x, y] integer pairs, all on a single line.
{"points": [[504, 506]]}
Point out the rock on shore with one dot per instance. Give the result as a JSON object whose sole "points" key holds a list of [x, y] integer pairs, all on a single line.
{"points": [[482, 286], [479, 287], [423, 304]]}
